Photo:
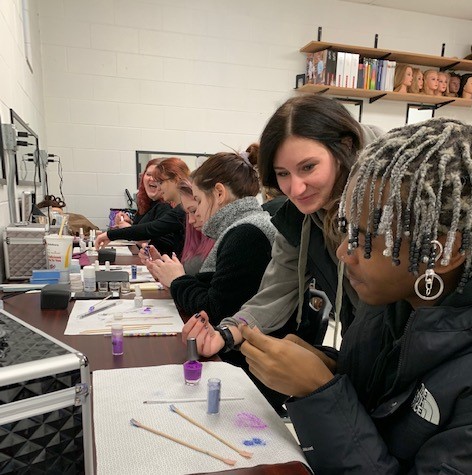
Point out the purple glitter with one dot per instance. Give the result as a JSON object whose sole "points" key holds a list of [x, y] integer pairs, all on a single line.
{"points": [[147, 310], [246, 419]]}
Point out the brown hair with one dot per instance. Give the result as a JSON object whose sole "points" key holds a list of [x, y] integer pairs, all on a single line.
{"points": [[236, 171], [316, 118], [400, 71], [171, 168], [415, 88]]}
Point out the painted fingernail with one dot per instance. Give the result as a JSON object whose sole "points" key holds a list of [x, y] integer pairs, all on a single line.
{"points": [[197, 315], [243, 320], [202, 320]]}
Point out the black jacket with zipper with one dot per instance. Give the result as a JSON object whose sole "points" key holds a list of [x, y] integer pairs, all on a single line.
{"points": [[402, 399]]}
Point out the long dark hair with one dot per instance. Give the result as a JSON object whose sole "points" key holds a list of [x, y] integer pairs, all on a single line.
{"points": [[236, 171], [317, 118]]}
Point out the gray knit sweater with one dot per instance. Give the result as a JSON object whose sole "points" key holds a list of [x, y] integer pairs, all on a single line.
{"points": [[243, 211]]}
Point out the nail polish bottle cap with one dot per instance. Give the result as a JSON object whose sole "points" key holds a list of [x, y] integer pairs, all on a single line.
{"points": [[192, 354], [117, 326], [137, 290]]}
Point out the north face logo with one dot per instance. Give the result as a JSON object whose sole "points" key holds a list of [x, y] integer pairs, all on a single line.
{"points": [[425, 405]]}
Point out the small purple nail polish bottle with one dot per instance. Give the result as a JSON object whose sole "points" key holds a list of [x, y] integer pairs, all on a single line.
{"points": [[117, 339], [192, 367]]}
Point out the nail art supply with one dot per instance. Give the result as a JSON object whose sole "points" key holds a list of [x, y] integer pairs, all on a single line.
{"points": [[117, 339], [243, 453], [135, 423], [114, 286], [138, 299], [134, 272], [125, 287], [214, 395], [102, 286], [192, 367], [246, 419], [90, 283]]}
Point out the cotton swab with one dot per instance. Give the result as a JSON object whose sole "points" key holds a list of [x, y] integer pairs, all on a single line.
{"points": [[243, 453], [135, 423]]}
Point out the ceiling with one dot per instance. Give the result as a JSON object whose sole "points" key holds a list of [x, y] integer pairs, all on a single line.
{"points": [[461, 9]]}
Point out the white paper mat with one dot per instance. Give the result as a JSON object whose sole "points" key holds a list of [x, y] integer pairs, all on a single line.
{"points": [[151, 313], [118, 396]]}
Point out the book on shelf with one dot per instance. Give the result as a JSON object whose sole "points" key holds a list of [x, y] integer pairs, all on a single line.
{"points": [[320, 60], [360, 74], [354, 70], [393, 65], [309, 74], [331, 68], [340, 68], [346, 69]]}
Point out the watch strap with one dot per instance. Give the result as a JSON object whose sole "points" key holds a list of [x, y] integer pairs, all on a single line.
{"points": [[227, 336]]}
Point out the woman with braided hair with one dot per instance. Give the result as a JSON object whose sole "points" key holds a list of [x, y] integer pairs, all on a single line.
{"points": [[398, 399]]}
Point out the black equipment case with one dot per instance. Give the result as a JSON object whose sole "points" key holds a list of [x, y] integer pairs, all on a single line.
{"points": [[45, 403]]}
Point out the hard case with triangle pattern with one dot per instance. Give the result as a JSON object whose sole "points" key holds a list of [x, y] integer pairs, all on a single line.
{"points": [[45, 407]]}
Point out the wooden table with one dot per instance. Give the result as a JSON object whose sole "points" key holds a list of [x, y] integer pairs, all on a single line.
{"points": [[138, 351]]}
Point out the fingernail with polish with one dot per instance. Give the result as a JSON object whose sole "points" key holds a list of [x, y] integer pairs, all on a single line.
{"points": [[243, 320], [197, 315]]}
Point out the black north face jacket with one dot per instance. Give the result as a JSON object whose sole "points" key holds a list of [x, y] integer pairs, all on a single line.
{"points": [[402, 399]]}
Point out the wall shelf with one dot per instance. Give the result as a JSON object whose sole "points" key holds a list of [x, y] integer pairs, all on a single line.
{"points": [[441, 62], [373, 95]]}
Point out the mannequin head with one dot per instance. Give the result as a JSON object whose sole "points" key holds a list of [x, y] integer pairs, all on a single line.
{"points": [[443, 84], [465, 91], [454, 84], [417, 83], [403, 77], [431, 79]]}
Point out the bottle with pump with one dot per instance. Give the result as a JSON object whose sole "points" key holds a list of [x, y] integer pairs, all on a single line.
{"points": [[192, 367]]}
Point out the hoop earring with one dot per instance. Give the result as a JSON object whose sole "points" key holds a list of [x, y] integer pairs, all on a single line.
{"points": [[429, 277]]}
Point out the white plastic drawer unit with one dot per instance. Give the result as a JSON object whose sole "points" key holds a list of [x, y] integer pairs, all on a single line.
{"points": [[45, 403]]}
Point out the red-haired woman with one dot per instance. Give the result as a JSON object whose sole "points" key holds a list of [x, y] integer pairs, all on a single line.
{"points": [[167, 233], [151, 206]]}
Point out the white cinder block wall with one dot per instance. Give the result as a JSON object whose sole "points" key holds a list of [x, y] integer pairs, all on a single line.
{"points": [[20, 88], [186, 76]]}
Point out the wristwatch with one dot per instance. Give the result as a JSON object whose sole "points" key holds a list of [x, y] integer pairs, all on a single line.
{"points": [[227, 336]]}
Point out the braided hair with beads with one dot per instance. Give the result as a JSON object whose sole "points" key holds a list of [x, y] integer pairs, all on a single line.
{"points": [[418, 183]]}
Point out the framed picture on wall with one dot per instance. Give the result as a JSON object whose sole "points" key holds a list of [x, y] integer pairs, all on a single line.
{"points": [[193, 160], [27, 165]]}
